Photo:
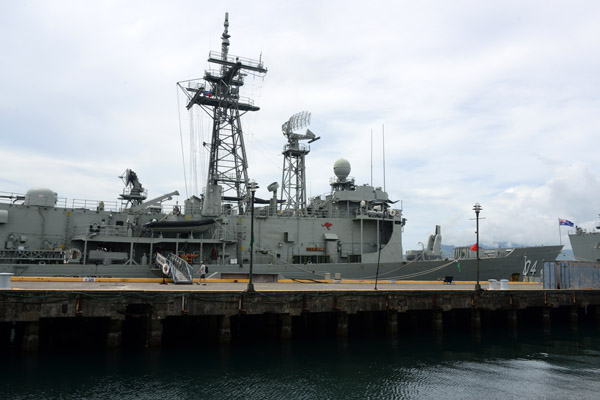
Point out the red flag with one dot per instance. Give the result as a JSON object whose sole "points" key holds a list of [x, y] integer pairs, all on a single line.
{"points": [[474, 247]]}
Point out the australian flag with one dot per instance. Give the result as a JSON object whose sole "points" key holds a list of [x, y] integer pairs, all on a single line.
{"points": [[564, 222]]}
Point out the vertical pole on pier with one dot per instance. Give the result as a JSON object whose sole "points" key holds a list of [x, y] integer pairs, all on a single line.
{"points": [[477, 208], [253, 187], [379, 240]]}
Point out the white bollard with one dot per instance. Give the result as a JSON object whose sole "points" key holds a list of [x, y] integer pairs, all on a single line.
{"points": [[5, 280]]}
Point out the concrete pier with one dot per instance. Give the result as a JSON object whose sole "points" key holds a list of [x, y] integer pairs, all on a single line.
{"points": [[33, 319]]}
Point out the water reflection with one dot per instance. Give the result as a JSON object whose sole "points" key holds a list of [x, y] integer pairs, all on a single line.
{"points": [[451, 367]]}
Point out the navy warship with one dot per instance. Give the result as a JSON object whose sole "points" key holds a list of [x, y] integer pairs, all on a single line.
{"points": [[354, 232], [586, 244]]}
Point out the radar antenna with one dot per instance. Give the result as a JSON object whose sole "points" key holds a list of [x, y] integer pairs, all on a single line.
{"points": [[293, 181], [218, 94], [133, 192]]}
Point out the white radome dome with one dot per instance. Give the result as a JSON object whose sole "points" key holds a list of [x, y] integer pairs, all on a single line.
{"points": [[341, 169]]}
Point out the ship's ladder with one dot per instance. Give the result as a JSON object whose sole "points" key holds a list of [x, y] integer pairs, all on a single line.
{"points": [[175, 268]]}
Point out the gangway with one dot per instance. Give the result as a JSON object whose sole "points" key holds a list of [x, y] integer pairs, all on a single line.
{"points": [[175, 268]]}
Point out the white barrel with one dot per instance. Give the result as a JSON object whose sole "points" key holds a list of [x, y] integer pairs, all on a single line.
{"points": [[5, 280], [327, 276], [337, 277], [493, 284], [503, 284]]}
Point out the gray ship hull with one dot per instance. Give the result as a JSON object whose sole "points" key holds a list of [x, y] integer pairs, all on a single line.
{"points": [[463, 269], [586, 245], [525, 262]]}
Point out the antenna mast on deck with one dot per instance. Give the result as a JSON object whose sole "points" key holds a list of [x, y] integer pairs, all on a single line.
{"points": [[293, 181], [218, 94]]}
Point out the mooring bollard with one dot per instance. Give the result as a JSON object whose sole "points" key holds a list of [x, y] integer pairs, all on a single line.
{"points": [[5, 280]]}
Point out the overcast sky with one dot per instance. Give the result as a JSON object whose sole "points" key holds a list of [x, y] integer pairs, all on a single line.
{"points": [[481, 101]]}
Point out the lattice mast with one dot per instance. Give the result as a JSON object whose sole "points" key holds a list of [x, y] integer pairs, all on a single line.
{"points": [[218, 94], [293, 181]]}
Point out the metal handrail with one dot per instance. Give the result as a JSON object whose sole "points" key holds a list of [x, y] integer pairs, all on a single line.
{"points": [[183, 267], [102, 230]]}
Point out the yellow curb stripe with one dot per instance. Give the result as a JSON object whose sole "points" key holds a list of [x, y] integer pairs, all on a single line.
{"points": [[241, 280]]}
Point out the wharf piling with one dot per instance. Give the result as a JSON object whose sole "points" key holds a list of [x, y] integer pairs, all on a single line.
{"points": [[41, 319]]}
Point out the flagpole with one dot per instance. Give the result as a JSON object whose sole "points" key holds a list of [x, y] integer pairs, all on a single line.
{"points": [[559, 233]]}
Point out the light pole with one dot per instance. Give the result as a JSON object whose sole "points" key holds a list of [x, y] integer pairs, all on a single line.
{"points": [[477, 208], [253, 187], [380, 239]]}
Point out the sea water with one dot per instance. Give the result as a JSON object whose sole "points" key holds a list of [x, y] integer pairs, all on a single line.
{"points": [[529, 365]]}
